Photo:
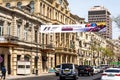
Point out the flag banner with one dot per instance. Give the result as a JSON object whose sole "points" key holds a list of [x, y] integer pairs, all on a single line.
{"points": [[91, 27]]}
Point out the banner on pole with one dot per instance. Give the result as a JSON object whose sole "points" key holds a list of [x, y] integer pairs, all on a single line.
{"points": [[91, 27]]}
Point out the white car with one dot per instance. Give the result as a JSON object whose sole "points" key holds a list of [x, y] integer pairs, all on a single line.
{"points": [[111, 74], [96, 69]]}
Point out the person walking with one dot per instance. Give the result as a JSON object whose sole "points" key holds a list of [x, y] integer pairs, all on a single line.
{"points": [[3, 72]]}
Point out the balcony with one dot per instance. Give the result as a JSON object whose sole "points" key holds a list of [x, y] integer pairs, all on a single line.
{"points": [[8, 40], [47, 48]]}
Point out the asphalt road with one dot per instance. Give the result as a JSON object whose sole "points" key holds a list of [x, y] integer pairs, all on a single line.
{"points": [[53, 77]]}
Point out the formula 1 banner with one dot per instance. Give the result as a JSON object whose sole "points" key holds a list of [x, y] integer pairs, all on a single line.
{"points": [[90, 27]]}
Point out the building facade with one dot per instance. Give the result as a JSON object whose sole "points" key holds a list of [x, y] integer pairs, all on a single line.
{"points": [[99, 14], [21, 39]]}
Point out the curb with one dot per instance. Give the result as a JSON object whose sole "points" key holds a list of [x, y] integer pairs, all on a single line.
{"points": [[27, 76]]}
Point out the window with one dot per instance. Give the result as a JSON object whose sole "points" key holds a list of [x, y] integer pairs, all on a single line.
{"points": [[26, 58], [8, 29], [32, 6], [25, 33], [64, 66], [60, 1], [36, 36], [8, 5], [18, 30], [19, 5], [1, 28], [27, 66], [21, 66], [18, 57]]}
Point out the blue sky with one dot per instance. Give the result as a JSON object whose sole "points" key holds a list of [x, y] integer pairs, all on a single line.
{"points": [[81, 7]]}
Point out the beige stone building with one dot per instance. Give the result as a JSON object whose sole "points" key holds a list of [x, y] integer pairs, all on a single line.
{"points": [[21, 40]]}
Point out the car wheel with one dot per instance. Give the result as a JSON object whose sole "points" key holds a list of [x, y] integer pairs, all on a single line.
{"points": [[89, 74], [61, 78], [57, 74], [75, 78]]}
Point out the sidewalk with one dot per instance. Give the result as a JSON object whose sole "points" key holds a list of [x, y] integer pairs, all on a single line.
{"points": [[27, 76]]}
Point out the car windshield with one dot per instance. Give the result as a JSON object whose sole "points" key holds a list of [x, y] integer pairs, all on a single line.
{"points": [[64, 66], [113, 71]]}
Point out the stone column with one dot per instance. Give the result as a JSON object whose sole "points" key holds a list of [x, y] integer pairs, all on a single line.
{"points": [[71, 59], [22, 30], [14, 63], [57, 59], [5, 61], [15, 27], [5, 27], [61, 57], [66, 59], [39, 64], [32, 64]]}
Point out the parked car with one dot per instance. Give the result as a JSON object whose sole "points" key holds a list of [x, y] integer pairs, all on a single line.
{"points": [[68, 71], [96, 70], [85, 69], [104, 67], [57, 70], [111, 74]]}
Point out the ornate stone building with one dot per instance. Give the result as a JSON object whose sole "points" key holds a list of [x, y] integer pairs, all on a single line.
{"points": [[21, 39]]}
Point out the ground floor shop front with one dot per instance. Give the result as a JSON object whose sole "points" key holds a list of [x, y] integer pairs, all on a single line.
{"points": [[11, 56]]}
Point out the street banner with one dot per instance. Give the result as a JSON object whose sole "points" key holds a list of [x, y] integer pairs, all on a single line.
{"points": [[90, 27]]}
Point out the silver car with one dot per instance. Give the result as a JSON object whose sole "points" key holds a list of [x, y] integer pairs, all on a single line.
{"points": [[68, 71]]}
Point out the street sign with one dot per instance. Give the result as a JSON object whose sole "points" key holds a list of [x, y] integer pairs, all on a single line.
{"points": [[1, 59]]}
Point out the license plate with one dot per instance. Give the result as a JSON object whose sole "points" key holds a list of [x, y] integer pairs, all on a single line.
{"points": [[110, 74], [66, 71]]}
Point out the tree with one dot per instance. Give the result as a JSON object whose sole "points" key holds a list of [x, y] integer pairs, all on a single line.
{"points": [[117, 20]]}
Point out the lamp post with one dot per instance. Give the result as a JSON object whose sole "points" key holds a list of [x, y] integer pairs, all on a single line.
{"points": [[36, 59]]}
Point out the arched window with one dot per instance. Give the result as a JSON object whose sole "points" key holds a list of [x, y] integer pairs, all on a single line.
{"points": [[19, 5], [32, 6], [8, 5], [27, 58]]}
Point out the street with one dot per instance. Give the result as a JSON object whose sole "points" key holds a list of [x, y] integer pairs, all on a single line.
{"points": [[53, 77]]}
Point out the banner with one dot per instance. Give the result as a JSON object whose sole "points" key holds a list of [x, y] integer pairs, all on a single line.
{"points": [[90, 27]]}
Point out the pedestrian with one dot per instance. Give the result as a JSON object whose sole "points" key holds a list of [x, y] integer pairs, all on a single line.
{"points": [[3, 72]]}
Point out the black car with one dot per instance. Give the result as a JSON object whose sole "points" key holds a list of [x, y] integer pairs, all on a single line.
{"points": [[68, 71], [85, 69]]}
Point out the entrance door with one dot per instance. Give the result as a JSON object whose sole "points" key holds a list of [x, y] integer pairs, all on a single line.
{"points": [[9, 64]]}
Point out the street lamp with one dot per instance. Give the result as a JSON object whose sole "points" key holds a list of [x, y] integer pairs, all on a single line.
{"points": [[36, 59]]}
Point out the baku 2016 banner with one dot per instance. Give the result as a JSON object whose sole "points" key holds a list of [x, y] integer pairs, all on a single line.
{"points": [[90, 27]]}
